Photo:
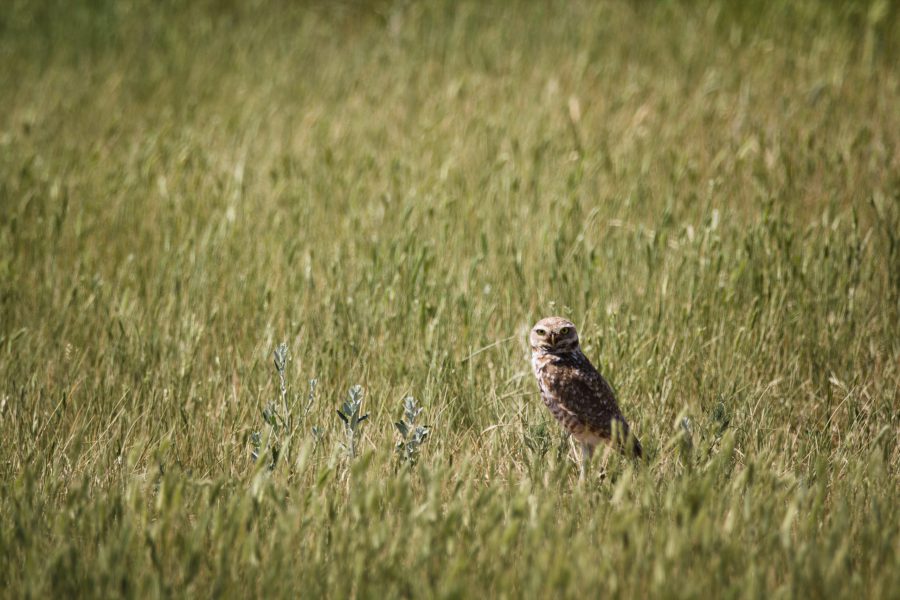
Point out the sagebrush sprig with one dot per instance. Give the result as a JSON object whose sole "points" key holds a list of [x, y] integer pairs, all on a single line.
{"points": [[350, 415], [412, 434], [279, 415], [280, 359]]}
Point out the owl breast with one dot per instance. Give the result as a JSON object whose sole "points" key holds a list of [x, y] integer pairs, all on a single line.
{"points": [[576, 395], [551, 381]]}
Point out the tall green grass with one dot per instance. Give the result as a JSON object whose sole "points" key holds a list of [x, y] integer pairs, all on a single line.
{"points": [[397, 191]]}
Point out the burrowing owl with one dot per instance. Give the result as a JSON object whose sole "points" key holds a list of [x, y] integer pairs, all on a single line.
{"points": [[576, 394]]}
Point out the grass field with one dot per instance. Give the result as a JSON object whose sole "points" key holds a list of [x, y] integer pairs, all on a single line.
{"points": [[397, 191]]}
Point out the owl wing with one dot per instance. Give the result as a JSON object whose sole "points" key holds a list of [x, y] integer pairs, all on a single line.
{"points": [[593, 397], [590, 397]]}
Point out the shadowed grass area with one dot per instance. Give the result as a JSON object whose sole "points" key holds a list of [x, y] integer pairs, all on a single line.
{"points": [[397, 191]]}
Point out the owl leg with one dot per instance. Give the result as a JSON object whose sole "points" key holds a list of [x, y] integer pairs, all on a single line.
{"points": [[586, 452]]}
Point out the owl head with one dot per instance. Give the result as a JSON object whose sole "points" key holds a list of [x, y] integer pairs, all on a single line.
{"points": [[554, 335]]}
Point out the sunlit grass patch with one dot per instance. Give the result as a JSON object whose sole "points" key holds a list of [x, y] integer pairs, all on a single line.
{"points": [[387, 196]]}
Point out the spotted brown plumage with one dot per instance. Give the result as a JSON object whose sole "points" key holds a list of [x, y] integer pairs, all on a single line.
{"points": [[576, 394]]}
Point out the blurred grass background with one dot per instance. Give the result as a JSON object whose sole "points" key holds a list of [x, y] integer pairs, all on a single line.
{"points": [[398, 190]]}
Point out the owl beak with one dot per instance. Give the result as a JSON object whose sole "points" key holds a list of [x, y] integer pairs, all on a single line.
{"points": [[552, 337]]}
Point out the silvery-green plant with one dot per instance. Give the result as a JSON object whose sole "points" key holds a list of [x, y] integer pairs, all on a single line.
{"points": [[311, 396], [350, 414], [279, 416], [280, 359], [412, 434]]}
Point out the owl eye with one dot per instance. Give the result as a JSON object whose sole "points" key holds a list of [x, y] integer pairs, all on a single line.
{"points": [[565, 331], [541, 332]]}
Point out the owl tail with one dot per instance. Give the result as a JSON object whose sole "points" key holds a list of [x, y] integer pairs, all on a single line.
{"points": [[637, 451]]}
